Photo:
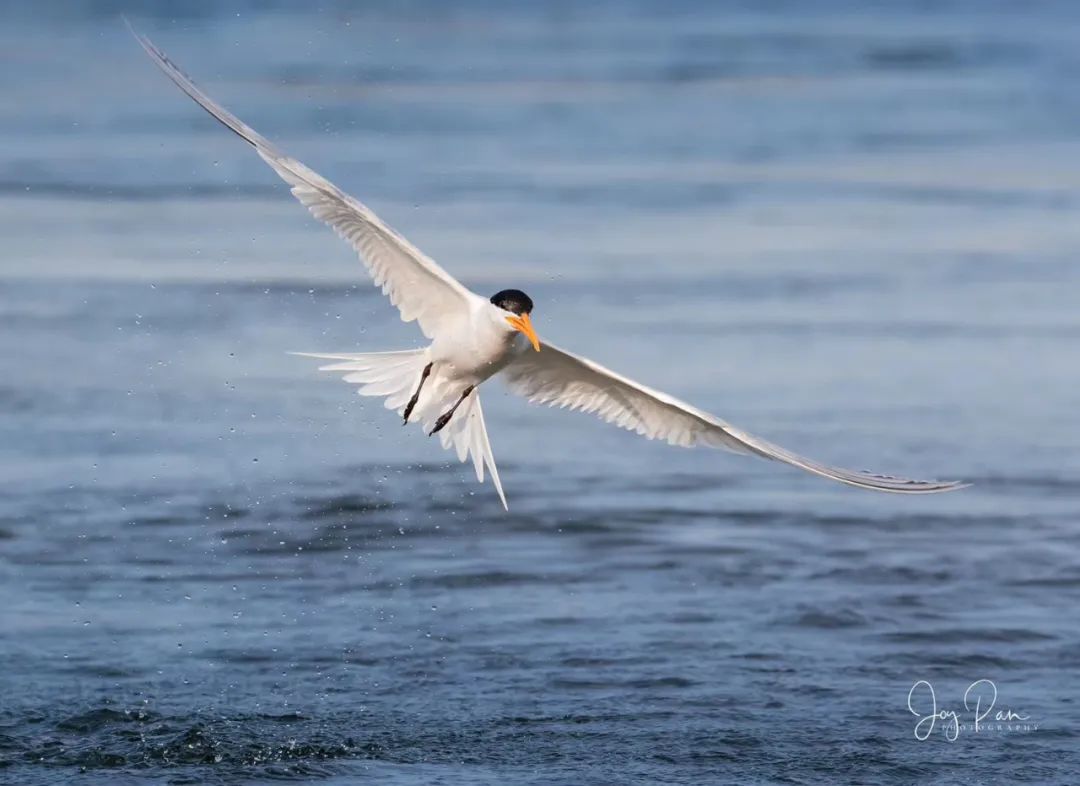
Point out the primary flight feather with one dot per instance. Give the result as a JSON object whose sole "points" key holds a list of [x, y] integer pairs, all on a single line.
{"points": [[475, 338]]}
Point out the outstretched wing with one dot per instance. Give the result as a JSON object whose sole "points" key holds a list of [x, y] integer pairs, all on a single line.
{"points": [[559, 378], [420, 289]]}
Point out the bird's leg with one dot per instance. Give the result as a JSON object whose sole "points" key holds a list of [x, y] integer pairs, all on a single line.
{"points": [[416, 395], [445, 417]]}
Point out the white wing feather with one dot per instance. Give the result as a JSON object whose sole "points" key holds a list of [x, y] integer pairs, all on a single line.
{"points": [[559, 378], [467, 434], [420, 289]]}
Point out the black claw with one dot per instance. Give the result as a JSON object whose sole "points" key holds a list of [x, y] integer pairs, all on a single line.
{"points": [[445, 417]]}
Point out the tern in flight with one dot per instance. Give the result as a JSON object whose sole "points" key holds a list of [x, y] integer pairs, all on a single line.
{"points": [[474, 338]]}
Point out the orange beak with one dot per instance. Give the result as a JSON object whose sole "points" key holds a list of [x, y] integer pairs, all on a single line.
{"points": [[524, 324]]}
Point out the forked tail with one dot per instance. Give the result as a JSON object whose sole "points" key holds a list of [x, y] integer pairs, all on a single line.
{"points": [[395, 377]]}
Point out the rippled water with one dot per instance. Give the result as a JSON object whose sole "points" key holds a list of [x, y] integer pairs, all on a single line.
{"points": [[850, 230]]}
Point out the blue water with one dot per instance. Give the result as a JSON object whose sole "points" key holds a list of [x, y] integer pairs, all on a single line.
{"points": [[848, 227]]}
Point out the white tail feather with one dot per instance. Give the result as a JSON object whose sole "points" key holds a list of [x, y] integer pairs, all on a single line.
{"points": [[395, 376]]}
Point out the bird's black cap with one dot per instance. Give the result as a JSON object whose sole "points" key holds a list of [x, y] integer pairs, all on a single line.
{"points": [[513, 300]]}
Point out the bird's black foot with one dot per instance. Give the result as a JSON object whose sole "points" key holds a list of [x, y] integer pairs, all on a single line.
{"points": [[416, 396], [441, 422], [444, 418]]}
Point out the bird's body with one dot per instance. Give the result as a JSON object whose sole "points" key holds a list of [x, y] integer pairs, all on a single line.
{"points": [[475, 338], [477, 348]]}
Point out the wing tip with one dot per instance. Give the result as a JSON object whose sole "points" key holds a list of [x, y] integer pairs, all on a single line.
{"points": [[904, 486], [144, 42], [952, 485]]}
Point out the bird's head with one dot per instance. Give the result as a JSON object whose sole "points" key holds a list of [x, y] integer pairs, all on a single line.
{"points": [[518, 306]]}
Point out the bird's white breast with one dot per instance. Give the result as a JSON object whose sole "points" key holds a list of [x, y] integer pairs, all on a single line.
{"points": [[476, 346]]}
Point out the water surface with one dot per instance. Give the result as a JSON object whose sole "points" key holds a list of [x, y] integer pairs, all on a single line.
{"points": [[850, 229]]}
